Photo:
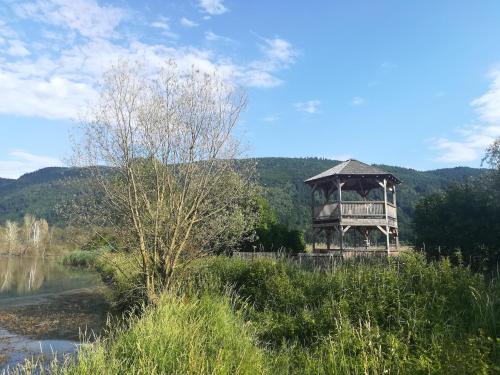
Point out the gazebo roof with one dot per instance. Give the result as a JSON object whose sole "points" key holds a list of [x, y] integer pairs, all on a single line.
{"points": [[353, 168]]}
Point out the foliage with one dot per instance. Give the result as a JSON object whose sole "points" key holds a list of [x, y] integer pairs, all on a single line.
{"points": [[282, 180], [465, 218], [171, 190], [271, 235], [179, 336], [45, 192], [403, 316], [492, 156], [82, 259], [32, 236], [41, 193]]}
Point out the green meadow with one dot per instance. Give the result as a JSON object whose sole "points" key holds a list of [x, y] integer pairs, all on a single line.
{"points": [[228, 316]]}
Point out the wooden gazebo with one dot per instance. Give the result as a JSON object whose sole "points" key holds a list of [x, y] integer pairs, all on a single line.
{"points": [[357, 197]]}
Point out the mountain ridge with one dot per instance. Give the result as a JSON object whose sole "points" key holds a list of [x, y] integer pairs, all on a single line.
{"points": [[282, 179]]}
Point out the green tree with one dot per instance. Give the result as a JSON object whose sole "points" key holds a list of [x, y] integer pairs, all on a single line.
{"points": [[465, 217], [270, 235]]}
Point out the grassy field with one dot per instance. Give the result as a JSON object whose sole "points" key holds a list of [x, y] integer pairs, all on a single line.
{"points": [[228, 316]]}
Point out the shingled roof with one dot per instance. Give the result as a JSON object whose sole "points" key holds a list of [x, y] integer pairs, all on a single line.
{"points": [[353, 167]]}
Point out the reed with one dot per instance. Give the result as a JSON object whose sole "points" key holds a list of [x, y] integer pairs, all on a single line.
{"points": [[404, 316]]}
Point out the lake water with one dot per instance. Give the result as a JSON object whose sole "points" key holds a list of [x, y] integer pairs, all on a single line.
{"points": [[46, 308]]}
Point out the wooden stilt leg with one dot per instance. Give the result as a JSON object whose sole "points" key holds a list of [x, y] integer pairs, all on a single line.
{"points": [[388, 239], [328, 238], [314, 240], [341, 239]]}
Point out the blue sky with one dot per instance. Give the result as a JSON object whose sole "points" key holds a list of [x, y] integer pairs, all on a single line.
{"points": [[415, 84]]}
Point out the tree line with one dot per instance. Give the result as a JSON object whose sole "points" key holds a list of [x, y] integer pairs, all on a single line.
{"points": [[463, 220]]}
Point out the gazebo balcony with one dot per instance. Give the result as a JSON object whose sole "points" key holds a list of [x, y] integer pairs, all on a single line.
{"points": [[356, 213]]}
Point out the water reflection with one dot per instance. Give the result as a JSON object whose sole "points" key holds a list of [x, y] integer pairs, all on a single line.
{"points": [[24, 276], [45, 306]]}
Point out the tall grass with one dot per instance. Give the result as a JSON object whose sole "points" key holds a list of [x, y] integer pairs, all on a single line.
{"points": [[81, 258], [179, 336], [398, 316]]}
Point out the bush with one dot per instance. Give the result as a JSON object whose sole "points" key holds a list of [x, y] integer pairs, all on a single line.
{"points": [[277, 237], [272, 236], [465, 218], [81, 259], [178, 336], [264, 316], [401, 315]]}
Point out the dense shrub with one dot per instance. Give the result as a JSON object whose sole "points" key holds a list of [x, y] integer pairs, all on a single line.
{"points": [[463, 218], [81, 259], [401, 315], [178, 336], [232, 316], [102, 242], [272, 236]]}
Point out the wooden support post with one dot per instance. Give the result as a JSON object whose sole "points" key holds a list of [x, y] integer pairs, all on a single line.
{"points": [[312, 201], [341, 231], [387, 236], [339, 189], [328, 233], [314, 239]]}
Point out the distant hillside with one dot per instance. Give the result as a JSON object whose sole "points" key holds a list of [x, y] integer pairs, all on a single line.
{"points": [[283, 179], [42, 192], [5, 181]]}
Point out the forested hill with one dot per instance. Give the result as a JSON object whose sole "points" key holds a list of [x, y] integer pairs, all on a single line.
{"points": [[5, 181], [283, 180], [41, 192]]}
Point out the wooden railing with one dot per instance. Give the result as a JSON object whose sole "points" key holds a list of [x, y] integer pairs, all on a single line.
{"points": [[354, 209], [363, 209], [327, 211]]}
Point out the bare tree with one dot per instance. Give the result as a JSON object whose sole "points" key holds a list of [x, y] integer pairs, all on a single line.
{"points": [[171, 185], [492, 156], [11, 234], [30, 231]]}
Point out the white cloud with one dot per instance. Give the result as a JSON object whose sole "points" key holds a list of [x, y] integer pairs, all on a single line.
{"points": [[60, 87], [488, 105], [388, 65], [257, 78], [279, 54], [473, 140], [455, 152], [54, 98], [161, 25], [20, 162], [6, 31], [17, 48], [165, 27], [270, 118], [357, 101], [213, 7], [280, 50], [310, 106], [213, 37], [188, 23], [57, 82], [86, 17]]}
